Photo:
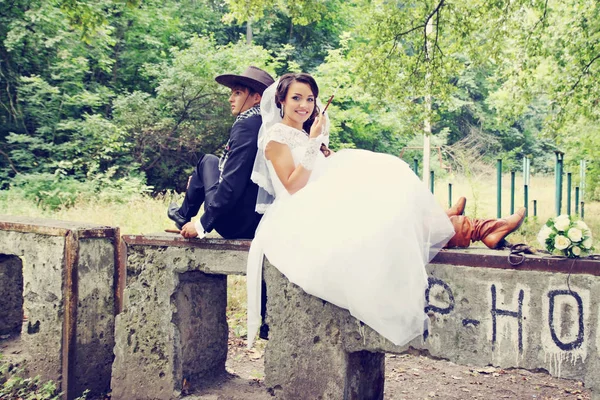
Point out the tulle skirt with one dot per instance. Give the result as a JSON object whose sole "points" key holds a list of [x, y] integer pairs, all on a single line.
{"points": [[358, 236]]}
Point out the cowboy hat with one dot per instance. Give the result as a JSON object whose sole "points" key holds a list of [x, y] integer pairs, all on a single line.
{"points": [[253, 78]]}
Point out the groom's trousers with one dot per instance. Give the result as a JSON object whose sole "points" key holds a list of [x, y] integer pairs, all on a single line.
{"points": [[202, 187], [237, 222]]}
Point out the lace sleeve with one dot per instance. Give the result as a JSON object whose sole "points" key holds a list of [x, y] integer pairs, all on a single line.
{"points": [[277, 133]]}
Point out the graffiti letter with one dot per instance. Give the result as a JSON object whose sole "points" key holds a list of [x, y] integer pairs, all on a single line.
{"points": [[428, 307], [518, 314], [433, 282], [579, 340]]}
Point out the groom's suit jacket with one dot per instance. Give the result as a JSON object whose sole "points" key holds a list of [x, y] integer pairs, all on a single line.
{"points": [[232, 209]]}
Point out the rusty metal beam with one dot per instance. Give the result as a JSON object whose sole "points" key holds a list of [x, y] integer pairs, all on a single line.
{"points": [[70, 298], [53, 228], [27, 228], [120, 276], [98, 233], [499, 259], [472, 257], [178, 241]]}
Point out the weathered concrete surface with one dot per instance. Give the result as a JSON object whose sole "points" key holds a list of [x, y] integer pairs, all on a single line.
{"points": [[479, 315], [227, 257], [173, 326], [95, 316], [42, 257], [306, 357], [11, 293], [68, 297], [511, 318]]}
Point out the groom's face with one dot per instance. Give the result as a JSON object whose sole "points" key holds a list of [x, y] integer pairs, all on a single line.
{"points": [[242, 100]]}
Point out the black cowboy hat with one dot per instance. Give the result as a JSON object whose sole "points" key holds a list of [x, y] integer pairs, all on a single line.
{"points": [[253, 78]]}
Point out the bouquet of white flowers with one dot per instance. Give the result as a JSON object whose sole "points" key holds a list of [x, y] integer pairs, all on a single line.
{"points": [[566, 235]]}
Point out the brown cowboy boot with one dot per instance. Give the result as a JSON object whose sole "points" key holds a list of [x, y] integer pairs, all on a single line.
{"points": [[490, 231], [458, 208]]}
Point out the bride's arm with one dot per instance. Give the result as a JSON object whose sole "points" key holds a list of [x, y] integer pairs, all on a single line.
{"points": [[291, 176]]}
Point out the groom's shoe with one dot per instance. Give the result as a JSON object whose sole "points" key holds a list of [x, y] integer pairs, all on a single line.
{"points": [[173, 214], [263, 332]]}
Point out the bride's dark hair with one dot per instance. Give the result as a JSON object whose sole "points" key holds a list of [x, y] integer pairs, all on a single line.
{"points": [[284, 85]]}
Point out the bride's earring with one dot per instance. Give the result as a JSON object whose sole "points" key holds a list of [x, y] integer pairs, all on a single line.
{"points": [[281, 111]]}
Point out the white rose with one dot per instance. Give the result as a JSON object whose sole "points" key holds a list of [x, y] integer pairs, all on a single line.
{"points": [[582, 225], [561, 242], [574, 234], [543, 235], [587, 243], [562, 222], [576, 251]]}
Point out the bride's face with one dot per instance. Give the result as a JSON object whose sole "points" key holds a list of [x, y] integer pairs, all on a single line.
{"points": [[298, 105]]}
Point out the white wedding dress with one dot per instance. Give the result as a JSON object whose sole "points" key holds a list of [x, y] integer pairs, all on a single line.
{"points": [[358, 235]]}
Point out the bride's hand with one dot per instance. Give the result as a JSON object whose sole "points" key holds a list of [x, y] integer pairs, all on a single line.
{"points": [[317, 127]]}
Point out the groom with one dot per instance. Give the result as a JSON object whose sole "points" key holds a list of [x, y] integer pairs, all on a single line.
{"points": [[223, 184]]}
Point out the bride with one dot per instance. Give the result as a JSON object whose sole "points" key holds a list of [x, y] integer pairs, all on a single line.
{"points": [[355, 228]]}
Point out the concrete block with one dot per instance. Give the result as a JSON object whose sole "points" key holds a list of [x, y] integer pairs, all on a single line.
{"points": [[93, 356], [68, 273], [306, 357], [172, 333]]}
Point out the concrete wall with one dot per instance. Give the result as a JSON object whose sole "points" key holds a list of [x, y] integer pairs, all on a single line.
{"points": [[486, 312], [537, 314], [68, 274], [172, 333], [511, 318]]}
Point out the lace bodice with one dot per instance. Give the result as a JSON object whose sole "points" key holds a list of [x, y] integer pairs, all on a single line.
{"points": [[297, 141], [287, 135]]}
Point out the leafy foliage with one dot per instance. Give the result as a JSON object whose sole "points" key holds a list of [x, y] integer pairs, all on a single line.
{"points": [[360, 119], [125, 88], [14, 387], [188, 114]]}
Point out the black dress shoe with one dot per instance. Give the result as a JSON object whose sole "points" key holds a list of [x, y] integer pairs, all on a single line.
{"points": [[173, 214], [263, 332]]}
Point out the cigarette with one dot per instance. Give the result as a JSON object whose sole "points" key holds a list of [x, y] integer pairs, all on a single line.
{"points": [[328, 103]]}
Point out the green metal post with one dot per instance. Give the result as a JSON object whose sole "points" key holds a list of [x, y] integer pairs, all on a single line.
{"points": [[582, 210], [512, 192], [499, 191], [416, 166], [560, 183], [535, 208], [449, 195], [558, 180], [569, 193], [431, 180], [526, 199], [576, 200]]}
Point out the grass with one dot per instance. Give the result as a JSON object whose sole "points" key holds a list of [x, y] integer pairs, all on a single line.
{"points": [[139, 215]]}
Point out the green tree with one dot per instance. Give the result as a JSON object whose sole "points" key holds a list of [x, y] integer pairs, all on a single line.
{"points": [[189, 113]]}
